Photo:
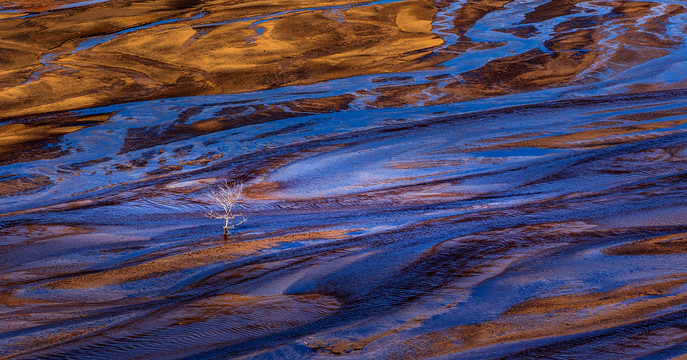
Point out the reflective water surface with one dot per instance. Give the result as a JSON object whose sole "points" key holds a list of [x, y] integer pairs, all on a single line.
{"points": [[423, 179]]}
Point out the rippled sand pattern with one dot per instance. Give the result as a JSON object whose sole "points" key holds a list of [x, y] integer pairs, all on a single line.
{"points": [[423, 179]]}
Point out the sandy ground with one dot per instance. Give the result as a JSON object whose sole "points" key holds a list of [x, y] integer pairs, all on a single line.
{"points": [[423, 179]]}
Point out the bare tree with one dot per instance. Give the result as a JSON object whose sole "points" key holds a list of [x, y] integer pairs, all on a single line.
{"points": [[227, 195]]}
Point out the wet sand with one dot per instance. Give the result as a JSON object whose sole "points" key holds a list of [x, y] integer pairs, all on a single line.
{"points": [[423, 179]]}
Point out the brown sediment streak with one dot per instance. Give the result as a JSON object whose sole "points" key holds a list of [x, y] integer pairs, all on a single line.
{"points": [[30, 139], [41, 231], [472, 11], [603, 137], [661, 245], [617, 130], [16, 185], [35, 5], [550, 10], [344, 346], [553, 316], [191, 259], [230, 304], [230, 118]]}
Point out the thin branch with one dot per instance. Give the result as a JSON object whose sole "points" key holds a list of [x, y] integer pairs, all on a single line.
{"points": [[226, 196]]}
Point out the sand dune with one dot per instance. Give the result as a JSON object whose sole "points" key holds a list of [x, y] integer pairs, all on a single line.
{"points": [[423, 179]]}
